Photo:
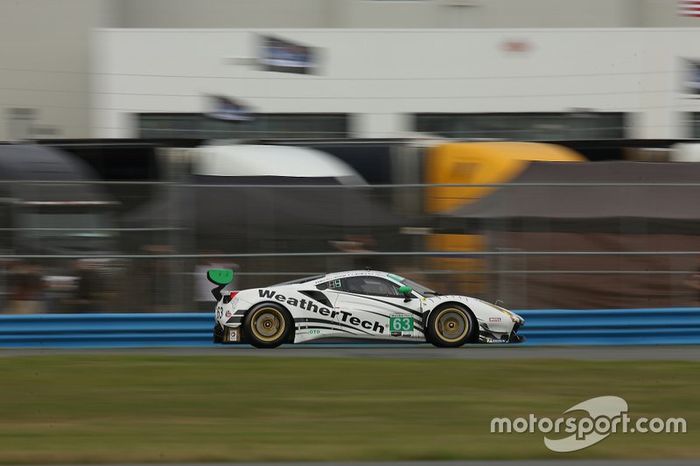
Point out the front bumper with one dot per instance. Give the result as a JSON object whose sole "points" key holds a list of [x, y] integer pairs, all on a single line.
{"points": [[488, 335]]}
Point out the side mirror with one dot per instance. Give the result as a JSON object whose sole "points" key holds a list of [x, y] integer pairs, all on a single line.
{"points": [[406, 291]]}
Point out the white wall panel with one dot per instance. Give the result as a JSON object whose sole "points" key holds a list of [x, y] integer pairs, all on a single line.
{"points": [[395, 72]]}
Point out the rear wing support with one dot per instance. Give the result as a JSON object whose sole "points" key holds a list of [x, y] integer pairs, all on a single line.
{"points": [[220, 278]]}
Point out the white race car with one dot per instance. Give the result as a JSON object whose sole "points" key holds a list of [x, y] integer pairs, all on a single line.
{"points": [[363, 304]]}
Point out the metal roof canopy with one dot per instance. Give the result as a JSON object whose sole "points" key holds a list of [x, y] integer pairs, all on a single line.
{"points": [[658, 194], [20, 165]]}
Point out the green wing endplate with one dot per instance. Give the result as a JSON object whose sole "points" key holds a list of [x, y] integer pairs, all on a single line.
{"points": [[220, 276]]}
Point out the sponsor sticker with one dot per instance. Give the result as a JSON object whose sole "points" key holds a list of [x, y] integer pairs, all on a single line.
{"points": [[335, 314]]}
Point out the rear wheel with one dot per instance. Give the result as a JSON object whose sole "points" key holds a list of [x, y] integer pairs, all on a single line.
{"points": [[267, 325], [450, 326]]}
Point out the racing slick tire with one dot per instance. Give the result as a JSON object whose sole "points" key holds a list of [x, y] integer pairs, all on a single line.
{"points": [[450, 326], [267, 325]]}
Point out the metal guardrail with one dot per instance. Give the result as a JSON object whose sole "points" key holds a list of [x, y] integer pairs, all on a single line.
{"points": [[663, 326], [105, 330], [667, 326]]}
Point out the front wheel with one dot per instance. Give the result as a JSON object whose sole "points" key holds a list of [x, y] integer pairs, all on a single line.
{"points": [[450, 326], [267, 325]]}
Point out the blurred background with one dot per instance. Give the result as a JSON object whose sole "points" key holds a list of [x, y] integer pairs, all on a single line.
{"points": [[542, 153]]}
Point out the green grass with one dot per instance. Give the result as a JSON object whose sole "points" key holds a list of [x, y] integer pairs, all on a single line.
{"points": [[111, 408]]}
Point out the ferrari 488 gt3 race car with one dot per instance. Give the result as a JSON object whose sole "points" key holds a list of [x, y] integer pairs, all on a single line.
{"points": [[363, 304]]}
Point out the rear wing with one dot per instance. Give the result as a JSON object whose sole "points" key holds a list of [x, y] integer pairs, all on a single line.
{"points": [[220, 278]]}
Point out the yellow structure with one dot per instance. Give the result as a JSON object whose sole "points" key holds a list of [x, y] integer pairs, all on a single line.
{"points": [[479, 163]]}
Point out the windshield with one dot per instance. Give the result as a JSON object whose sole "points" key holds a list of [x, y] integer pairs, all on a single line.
{"points": [[417, 287]]}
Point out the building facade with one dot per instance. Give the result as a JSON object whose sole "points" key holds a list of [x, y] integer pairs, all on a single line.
{"points": [[49, 50], [468, 83]]}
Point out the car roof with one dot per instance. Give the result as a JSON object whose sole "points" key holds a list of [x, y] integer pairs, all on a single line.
{"points": [[355, 273]]}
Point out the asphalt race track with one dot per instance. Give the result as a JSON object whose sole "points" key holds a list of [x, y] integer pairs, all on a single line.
{"points": [[395, 351]]}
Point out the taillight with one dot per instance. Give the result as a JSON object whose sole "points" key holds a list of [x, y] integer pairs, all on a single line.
{"points": [[231, 295]]}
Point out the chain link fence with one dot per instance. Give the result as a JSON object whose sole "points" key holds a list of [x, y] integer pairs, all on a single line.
{"points": [[63, 251]]}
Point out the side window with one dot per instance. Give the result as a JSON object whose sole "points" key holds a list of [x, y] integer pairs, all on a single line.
{"points": [[333, 285], [374, 286]]}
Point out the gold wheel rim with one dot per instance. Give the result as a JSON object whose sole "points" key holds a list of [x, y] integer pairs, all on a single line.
{"points": [[451, 324], [267, 324]]}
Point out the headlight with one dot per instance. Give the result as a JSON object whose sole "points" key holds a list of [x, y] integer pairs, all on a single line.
{"points": [[515, 318]]}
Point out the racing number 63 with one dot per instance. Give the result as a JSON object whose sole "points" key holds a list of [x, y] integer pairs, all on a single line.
{"points": [[401, 324]]}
